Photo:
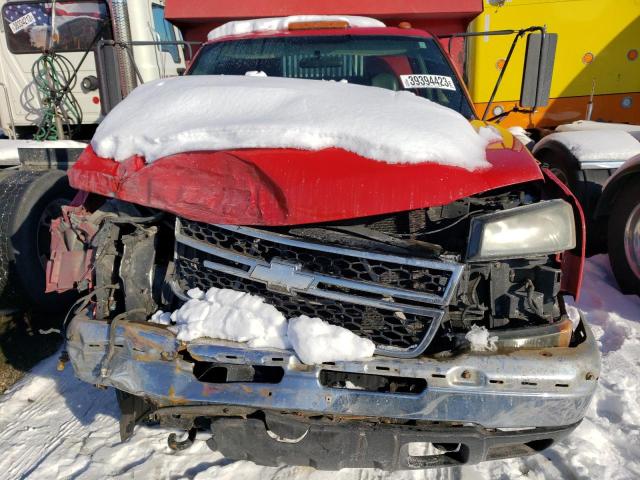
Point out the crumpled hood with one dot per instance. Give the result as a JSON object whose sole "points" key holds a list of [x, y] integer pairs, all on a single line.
{"points": [[288, 186]]}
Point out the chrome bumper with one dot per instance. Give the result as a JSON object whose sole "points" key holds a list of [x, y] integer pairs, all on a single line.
{"points": [[528, 388]]}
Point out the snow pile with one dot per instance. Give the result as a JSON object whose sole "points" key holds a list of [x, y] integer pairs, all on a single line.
{"points": [[574, 315], [593, 125], [241, 317], [596, 145], [490, 134], [52, 425], [315, 341], [196, 113], [9, 148], [276, 24], [480, 341], [161, 318], [230, 315], [521, 134]]}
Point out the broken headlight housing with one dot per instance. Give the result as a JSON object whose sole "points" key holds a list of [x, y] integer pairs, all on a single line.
{"points": [[540, 228]]}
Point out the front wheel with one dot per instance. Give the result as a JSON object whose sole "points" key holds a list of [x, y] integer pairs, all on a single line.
{"points": [[30, 200], [624, 238]]}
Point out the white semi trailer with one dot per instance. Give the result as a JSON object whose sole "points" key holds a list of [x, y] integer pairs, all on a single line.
{"points": [[71, 29], [63, 65]]}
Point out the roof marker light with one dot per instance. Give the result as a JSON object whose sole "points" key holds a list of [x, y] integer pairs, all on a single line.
{"points": [[318, 25], [295, 22], [632, 54], [587, 58]]}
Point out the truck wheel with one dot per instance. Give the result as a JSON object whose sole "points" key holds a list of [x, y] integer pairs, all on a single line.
{"points": [[561, 163], [624, 238], [29, 201]]}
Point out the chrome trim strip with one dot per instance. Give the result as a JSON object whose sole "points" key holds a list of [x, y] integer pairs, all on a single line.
{"points": [[454, 268], [177, 291], [421, 347], [601, 165], [343, 297], [287, 240], [319, 278]]}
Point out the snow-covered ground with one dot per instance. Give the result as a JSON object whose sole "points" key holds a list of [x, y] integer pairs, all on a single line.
{"points": [[54, 426]]}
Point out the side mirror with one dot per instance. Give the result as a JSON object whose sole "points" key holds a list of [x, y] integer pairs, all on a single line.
{"points": [[538, 69]]}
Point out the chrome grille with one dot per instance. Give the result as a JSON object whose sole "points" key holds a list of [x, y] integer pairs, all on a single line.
{"points": [[390, 299]]}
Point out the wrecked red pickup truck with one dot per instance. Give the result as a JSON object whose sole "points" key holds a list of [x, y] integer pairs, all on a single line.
{"points": [[410, 255]]}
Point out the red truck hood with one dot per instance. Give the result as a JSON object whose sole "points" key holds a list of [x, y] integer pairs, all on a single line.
{"points": [[288, 187]]}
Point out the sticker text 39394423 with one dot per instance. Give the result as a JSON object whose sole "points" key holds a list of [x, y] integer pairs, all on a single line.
{"points": [[427, 81]]}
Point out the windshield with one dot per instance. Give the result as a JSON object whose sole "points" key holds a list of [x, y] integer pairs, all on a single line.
{"points": [[415, 64]]}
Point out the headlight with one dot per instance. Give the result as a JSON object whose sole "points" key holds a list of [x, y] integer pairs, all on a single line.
{"points": [[541, 228]]}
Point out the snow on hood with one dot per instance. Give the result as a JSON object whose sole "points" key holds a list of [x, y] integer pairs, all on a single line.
{"points": [[200, 113], [276, 24]]}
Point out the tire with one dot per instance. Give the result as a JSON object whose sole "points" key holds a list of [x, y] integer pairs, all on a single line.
{"points": [[29, 201], [624, 237], [561, 163], [6, 173]]}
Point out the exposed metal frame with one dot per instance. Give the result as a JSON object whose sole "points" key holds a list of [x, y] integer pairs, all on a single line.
{"points": [[12, 123]]}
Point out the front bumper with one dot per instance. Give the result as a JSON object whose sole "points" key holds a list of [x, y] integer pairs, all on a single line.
{"points": [[513, 390]]}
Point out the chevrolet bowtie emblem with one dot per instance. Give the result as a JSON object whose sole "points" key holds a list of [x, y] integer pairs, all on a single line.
{"points": [[282, 276]]}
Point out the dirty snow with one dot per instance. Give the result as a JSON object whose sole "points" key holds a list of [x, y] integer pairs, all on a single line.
{"points": [[479, 339], [592, 125], [210, 112], [226, 314], [275, 24], [316, 341], [521, 134], [596, 145], [55, 426]]}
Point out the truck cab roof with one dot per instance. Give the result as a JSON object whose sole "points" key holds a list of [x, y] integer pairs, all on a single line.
{"points": [[292, 23]]}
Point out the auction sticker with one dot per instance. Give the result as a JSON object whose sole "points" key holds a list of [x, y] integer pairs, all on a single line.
{"points": [[22, 22], [427, 81]]}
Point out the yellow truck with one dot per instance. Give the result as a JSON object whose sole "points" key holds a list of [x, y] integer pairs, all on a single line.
{"points": [[596, 60], [590, 126]]}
